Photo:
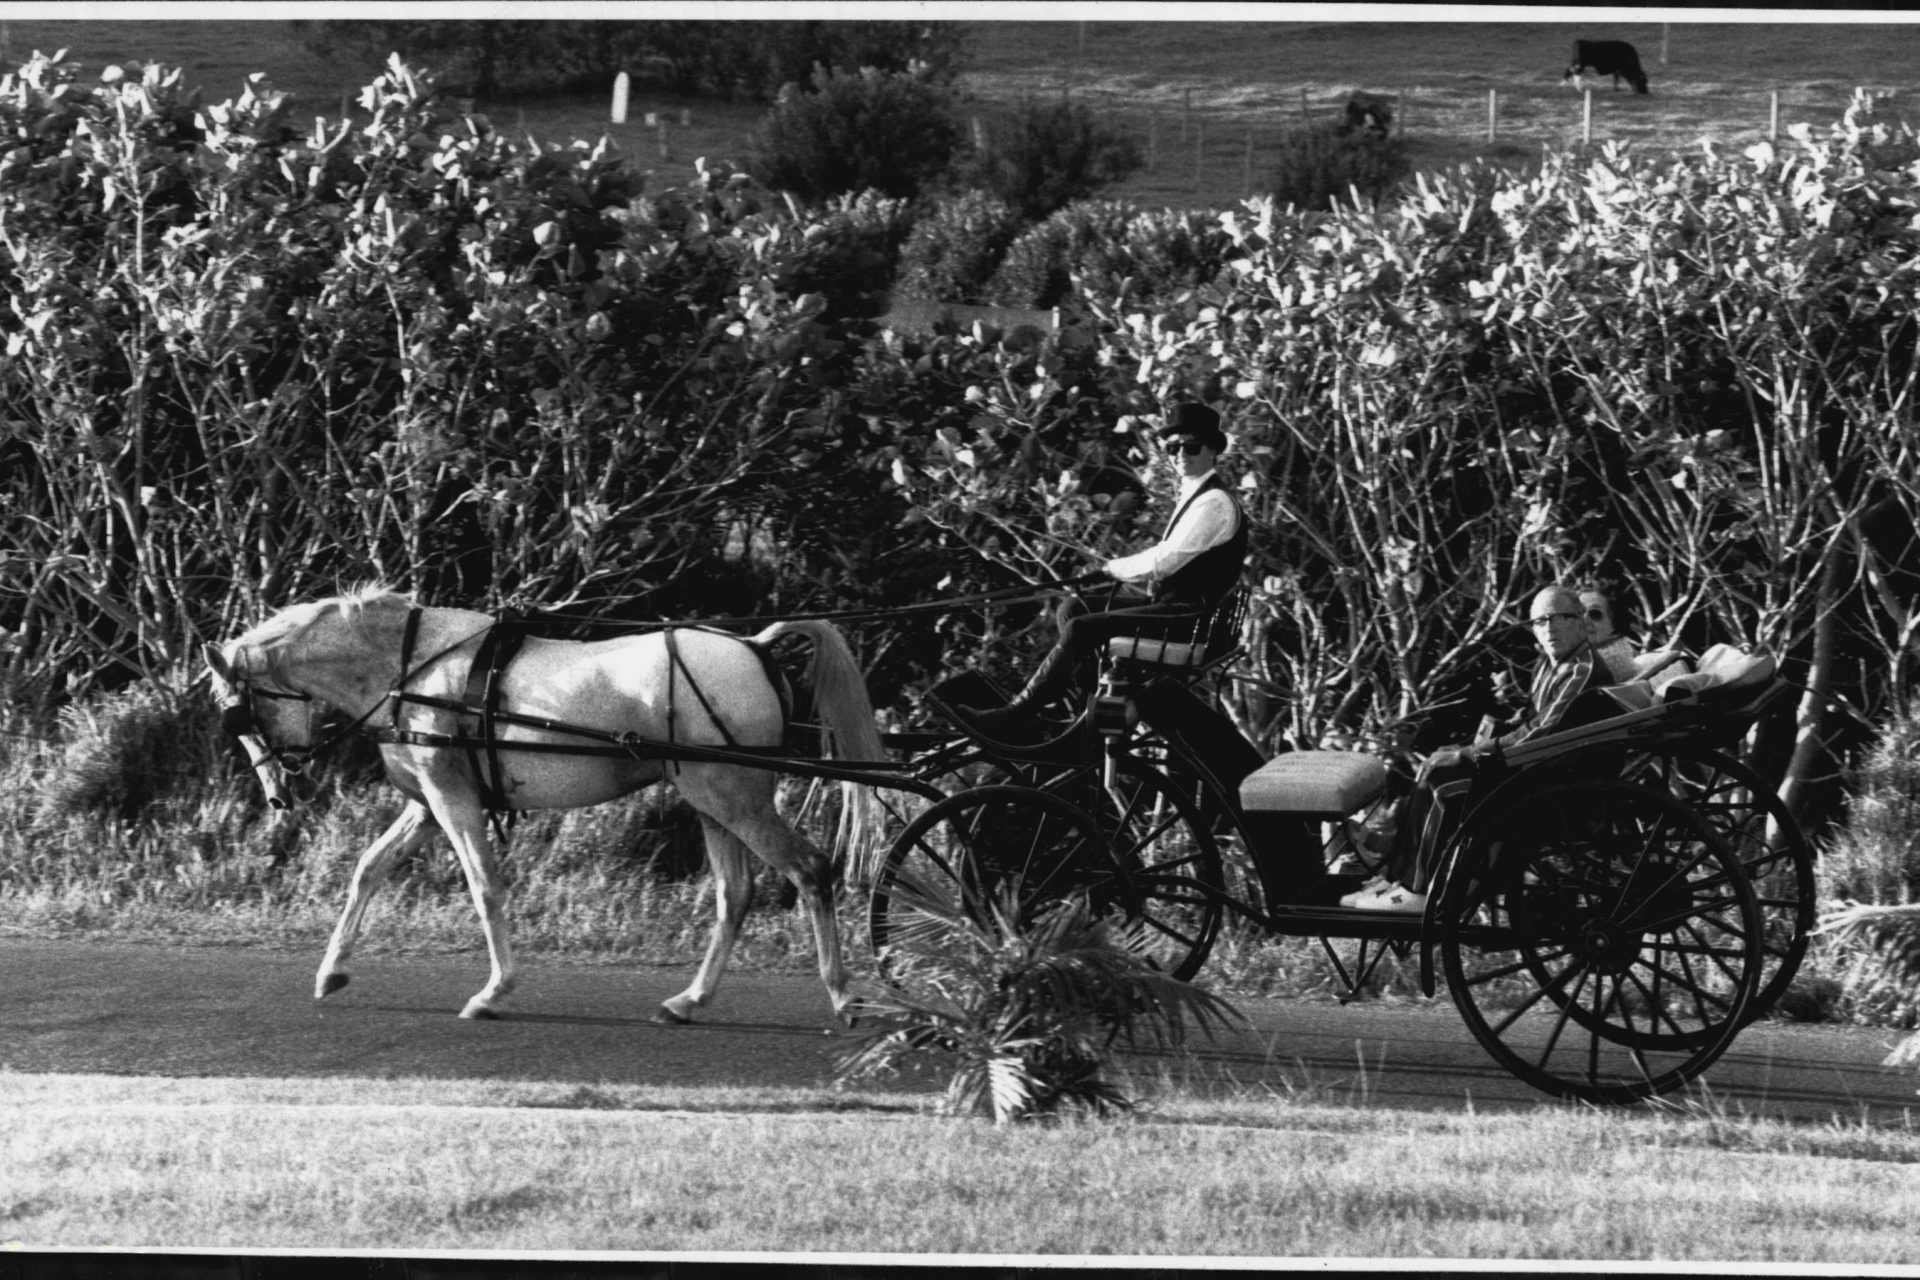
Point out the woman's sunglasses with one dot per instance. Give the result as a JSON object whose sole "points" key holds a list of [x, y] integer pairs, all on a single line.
{"points": [[1185, 444]]}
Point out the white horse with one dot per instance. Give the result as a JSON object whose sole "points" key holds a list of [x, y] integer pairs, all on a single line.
{"points": [[352, 653]]}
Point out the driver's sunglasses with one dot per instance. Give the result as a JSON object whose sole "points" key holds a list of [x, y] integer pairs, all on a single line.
{"points": [[1185, 444]]}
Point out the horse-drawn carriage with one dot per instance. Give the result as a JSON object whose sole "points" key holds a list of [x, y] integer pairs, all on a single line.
{"points": [[1619, 899]]}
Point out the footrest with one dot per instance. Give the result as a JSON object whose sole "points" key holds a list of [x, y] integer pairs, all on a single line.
{"points": [[1330, 784]]}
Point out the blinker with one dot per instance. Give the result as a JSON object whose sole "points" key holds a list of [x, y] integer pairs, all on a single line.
{"points": [[237, 719]]}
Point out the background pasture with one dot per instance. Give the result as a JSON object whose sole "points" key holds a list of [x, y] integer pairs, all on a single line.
{"points": [[1207, 100]]}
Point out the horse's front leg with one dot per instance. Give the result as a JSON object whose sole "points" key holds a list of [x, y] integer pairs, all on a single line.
{"points": [[465, 823], [375, 865]]}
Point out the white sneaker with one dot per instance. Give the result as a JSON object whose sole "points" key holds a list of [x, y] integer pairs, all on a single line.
{"points": [[1371, 888], [1394, 898]]}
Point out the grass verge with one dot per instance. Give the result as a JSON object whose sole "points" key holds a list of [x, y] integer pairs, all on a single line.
{"points": [[395, 1165]]}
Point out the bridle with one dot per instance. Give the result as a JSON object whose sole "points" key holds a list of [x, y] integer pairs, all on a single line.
{"points": [[239, 717]]}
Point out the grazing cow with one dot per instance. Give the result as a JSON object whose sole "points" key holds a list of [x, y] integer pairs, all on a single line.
{"points": [[1614, 58], [1368, 113]]}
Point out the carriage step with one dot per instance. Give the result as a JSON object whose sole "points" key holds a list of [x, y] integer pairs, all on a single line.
{"points": [[1324, 784]]}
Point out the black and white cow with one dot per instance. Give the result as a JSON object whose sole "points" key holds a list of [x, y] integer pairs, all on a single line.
{"points": [[1614, 58]]}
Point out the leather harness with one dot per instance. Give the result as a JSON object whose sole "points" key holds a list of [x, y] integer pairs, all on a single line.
{"points": [[479, 713]]}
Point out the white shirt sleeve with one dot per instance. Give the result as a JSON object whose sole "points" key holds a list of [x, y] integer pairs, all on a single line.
{"points": [[1206, 523]]}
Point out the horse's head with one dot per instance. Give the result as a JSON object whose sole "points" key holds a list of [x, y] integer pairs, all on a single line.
{"points": [[267, 681]]}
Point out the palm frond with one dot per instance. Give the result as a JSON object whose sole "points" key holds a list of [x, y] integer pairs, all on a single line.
{"points": [[1022, 1002], [1890, 934]]}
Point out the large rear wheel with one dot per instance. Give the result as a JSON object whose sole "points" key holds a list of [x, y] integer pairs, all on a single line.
{"points": [[1601, 940], [1762, 833]]}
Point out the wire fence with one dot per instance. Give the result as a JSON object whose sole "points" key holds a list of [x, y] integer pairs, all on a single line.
{"points": [[1192, 149]]}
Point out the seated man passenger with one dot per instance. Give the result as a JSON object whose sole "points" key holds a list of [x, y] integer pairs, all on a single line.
{"points": [[1193, 567], [1566, 669]]}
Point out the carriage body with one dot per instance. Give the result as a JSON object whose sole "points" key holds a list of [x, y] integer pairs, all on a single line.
{"points": [[1615, 902]]}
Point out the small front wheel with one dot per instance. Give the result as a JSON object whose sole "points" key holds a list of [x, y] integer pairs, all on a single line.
{"points": [[991, 849]]}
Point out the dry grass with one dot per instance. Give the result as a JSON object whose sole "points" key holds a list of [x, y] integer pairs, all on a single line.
{"points": [[1210, 99]]}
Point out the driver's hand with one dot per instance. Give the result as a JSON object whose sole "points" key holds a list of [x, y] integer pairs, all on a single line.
{"points": [[1449, 757]]}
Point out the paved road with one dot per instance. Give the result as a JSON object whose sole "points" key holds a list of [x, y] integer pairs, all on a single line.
{"points": [[209, 1011]]}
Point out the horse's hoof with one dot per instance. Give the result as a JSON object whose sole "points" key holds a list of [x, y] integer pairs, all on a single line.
{"points": [[480, 1013], [671, 1017], [330, 984]]}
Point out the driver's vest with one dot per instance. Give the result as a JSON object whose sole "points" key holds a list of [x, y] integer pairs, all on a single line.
{"points": [[1206, 579]]}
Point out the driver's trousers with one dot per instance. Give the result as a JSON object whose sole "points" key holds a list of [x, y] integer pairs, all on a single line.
{"points": [[1069, 666]]}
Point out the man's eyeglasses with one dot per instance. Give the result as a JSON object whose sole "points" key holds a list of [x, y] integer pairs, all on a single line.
{"points": [[1553, 617], [1186, 445]]}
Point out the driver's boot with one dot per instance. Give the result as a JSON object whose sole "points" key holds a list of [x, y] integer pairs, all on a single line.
{"points": [[1019, 721]]}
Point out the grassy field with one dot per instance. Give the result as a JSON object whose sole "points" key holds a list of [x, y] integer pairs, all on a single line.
{"points": [[1208, 101], [94, 1161]]}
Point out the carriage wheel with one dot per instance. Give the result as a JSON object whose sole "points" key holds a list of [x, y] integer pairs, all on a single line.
{"points": [[1601, 940], [1762, 833], [1173, 861], [1042, 849]]}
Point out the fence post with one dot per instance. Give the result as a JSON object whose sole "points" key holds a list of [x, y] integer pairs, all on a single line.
{"points": [[1400, 114], [621, 84], [1306, 115], [1665, 27], [1773, 119], [1493, 114], [1186, 115], [1586, 120], [1199, 152], [1246, 170], [1153, 138], [665, 154]]}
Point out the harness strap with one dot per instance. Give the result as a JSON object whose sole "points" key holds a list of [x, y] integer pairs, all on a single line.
{"points": [[497, 649], [677, 664], [409, 636]]}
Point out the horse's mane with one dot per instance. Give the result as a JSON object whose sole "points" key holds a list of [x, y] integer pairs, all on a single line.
{"points": [[355, 606]]}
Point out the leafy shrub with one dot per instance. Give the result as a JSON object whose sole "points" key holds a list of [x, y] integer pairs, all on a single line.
{"points": [[891, 132], [956, 247], [1047, 156], [126, 752], [848, 252], [1318, 167], [1875, 857], [1114, 249]]}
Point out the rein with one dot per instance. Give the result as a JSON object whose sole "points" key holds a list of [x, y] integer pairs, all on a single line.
{"points": [[1028, 591]]}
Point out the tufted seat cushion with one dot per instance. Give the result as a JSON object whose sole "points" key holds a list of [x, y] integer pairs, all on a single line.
{"points": [[1168, 653], [1325, 782]]}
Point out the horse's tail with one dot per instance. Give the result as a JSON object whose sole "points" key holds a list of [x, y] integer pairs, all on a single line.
{"points": [[840, 699]]}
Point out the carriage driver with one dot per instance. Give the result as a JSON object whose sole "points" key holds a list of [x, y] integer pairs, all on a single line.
{"points": [[1195, 565]]}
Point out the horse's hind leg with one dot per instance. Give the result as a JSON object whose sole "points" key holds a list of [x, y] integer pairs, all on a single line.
{"points": [[375, 865], [796, 857], [732, 893]]}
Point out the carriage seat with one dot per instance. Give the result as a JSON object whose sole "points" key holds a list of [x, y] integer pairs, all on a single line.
{"points": [[1213, 639], [1325, 784]]}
